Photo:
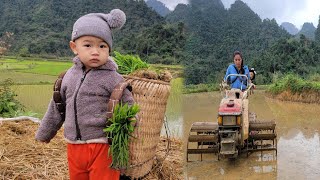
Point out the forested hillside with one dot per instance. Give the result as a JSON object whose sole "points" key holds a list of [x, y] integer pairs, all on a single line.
{"points": [[44, 27], [215, 32], [201, 35], [317, 32], [308, 30]]}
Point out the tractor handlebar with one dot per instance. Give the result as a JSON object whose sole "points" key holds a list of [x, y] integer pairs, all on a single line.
{"points": [[238, 75]]}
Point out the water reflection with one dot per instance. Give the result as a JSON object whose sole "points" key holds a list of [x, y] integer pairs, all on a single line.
{"points": [[300, 156], [267, 163], [298, 140], [173, 115], [252, 167]]}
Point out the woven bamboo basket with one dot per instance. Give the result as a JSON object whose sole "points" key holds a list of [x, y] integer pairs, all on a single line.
{"points": [[151, 96]]}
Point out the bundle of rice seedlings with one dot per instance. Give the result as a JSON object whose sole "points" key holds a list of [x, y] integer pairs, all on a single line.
{"points": [[133, 66], [119, 131], [127, 64]]}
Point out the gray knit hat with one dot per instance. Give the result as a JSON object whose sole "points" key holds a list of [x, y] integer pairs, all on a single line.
{"points": [[99, 25]]}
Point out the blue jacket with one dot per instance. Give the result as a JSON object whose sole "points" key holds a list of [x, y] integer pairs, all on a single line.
{"points": [[237, 82]]}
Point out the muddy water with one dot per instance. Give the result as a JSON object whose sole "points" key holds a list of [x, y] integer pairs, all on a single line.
{"points": [[298, 127]]}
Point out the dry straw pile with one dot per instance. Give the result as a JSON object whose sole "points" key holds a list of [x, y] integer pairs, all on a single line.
{"points": [[21, 157]]}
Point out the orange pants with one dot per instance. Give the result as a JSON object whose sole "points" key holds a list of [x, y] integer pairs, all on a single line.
{"points": [[90, 161]]}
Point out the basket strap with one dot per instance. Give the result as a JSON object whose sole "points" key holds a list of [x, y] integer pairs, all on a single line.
{"points": [[116, 97], [57, 96]]}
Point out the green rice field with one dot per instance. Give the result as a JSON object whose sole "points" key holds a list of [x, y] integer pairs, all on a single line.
{"points": [[26, 78], [34, 81], [35, 67], [35, 98]]}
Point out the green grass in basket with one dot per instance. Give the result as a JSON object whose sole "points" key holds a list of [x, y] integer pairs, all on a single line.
{"points": [[128, 63]]}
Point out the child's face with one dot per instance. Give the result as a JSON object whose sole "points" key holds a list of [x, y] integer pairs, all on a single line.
{"points": [[251, 75], [92, 51]]}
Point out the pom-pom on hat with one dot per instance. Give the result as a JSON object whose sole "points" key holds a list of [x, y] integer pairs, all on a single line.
{"points": [[252, 70], [99, 25]]}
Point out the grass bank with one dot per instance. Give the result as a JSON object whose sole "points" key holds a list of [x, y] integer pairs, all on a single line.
{"points": [[293, 88], [188, 89]]}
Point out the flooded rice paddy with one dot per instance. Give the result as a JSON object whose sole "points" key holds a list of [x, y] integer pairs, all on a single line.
{"points": [[298, 127]]}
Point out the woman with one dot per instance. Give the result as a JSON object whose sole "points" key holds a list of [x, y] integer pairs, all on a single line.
{"points": [[237, 68]]}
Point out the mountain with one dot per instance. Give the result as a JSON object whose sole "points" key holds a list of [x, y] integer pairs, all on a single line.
{"points": [[317, 33], [308, 30], [214, 33], [180, 13], [158, 6], [44, 27], [202, 35], [290, 28]]}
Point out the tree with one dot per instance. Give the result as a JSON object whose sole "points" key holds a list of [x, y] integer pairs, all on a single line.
{"points": [[5, 42]]}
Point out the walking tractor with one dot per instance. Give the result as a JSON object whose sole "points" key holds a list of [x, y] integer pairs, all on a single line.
{"points": [[236, 131]]}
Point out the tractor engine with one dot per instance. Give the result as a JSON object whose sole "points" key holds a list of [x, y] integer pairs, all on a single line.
{"points": [[230, 122]]}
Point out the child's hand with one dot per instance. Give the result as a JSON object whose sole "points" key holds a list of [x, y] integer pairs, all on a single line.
{"points": [[122, 171]]}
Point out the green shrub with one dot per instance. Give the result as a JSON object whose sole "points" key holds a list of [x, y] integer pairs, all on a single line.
{"points": [[294, 83], [9, 106], [314, 77], [154, 59]]}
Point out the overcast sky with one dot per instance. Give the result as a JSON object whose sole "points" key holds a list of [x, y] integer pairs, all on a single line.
{"points": [[295, 11]]}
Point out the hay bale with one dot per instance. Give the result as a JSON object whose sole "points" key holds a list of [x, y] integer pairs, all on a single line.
{"points": [[21, 157], [169, 164]]}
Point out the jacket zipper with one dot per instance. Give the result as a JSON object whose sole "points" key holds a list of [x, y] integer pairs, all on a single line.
{"points": [[75, 105]]}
